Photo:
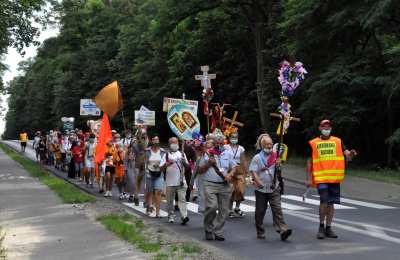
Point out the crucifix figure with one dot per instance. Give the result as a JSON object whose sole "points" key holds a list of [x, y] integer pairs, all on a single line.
{"points": [[205, 79], [216, 114]]}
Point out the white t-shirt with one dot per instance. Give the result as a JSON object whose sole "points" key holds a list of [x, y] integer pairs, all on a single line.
{"points": [[236, 151], [175, 172], [155, 161]]}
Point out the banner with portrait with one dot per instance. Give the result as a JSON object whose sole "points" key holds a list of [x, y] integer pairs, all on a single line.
{"points": [[183, 121]]}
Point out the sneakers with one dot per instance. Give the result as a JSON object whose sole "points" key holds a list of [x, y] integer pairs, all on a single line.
{"points": [[329, 233], [121, 196], [239, 213], [321, 233], [184, 221], [130, 199], [136, 201], [108, 194], [231, 214], [171, 219]]}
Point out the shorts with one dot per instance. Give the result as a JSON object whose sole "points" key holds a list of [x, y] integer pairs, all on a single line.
{"points": [[23, 144], [329, 193], [78, 166], [89, 163], [154, 184], [110, 169]]}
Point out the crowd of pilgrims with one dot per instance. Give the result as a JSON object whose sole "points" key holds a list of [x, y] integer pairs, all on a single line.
{"points": [[211, 171]]}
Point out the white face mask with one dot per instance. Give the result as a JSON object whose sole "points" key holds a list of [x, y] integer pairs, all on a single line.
{"points": [[267, 150], [325, 132], [234, 141], [174, 147]]}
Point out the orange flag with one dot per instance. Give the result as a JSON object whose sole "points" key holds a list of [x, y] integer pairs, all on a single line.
{"points": [[109, 99], [103, 138]]}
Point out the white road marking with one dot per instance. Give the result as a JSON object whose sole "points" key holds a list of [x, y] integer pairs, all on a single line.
{"points": [[141, 209], [312, 201], [364, 204], [285, 205], [361, 224], [315, 218]]}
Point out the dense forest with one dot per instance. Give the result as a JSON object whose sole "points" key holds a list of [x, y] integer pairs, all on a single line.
{"points": [[154, 48]]}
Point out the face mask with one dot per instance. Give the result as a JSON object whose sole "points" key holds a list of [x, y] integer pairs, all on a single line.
{"points": [[267, 150], [325, 132], [234, 141], [156, 143], [174, 147], [78, 143], [91, 140], [128, 136], [221, 148]]}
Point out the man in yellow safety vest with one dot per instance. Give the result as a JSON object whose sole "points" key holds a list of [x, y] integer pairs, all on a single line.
{"points": [[326, 170]]}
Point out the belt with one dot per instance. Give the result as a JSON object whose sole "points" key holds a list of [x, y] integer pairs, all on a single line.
{"points": [[215, 182]]}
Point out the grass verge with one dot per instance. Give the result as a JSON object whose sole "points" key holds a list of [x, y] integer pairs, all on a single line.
{"points": [[134, 231], [2, 249], [129, 229], [383, 175], [66, 191]]}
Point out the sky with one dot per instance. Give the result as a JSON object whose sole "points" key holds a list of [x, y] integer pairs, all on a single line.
{"points": [[13, 58]]}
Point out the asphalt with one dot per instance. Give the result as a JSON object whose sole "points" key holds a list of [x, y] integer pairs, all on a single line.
{"points": [[368, 226], [38, 225]]}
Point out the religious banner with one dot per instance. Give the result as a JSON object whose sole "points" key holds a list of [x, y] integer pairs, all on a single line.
{"points": [[88, 108], [170, 102], [145, 117], [183, 121]]}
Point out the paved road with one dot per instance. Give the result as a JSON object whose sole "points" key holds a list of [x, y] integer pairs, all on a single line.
{"points": [[366, 229], [39, 226]]}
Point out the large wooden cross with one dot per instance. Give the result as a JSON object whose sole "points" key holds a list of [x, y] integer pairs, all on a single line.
{"points": [[233, 121], [205, 78]]}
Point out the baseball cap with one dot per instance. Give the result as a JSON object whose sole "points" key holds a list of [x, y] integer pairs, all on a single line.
{"points": [[325, 122]]}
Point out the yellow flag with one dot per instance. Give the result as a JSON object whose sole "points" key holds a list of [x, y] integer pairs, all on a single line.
{"points": [[109, 99]]}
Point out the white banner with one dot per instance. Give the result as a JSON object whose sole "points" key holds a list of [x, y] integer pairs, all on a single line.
{"points": [[170, 102], [89, 108], [145, 118]]}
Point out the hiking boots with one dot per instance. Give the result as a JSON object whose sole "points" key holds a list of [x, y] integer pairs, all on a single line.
{"points": [[329, 233]]}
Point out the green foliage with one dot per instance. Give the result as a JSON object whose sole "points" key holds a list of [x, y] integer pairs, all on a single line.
{"points": [[66, 191], [127, 229], [155, 47]]}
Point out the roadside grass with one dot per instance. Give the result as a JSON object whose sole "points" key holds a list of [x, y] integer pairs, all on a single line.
{"points": [[382, 175], [135, 232], [66, 191], [2, 249]]}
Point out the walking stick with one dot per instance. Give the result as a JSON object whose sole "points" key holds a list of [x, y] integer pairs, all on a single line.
{"points": [[278, 169]]}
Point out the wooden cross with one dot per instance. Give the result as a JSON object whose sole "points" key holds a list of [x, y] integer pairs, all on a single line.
{"points": [[205, 78], [233, 121]]}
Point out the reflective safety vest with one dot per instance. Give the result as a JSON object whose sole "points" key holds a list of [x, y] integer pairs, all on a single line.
{"points": [[328, 163], [23, 137]]}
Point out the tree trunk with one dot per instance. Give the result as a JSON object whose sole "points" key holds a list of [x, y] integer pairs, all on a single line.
{"points": [[260, 84]]}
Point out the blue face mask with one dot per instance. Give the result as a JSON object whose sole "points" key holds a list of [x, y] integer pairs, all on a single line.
{"points": [[221, 148], [234, 141]]}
